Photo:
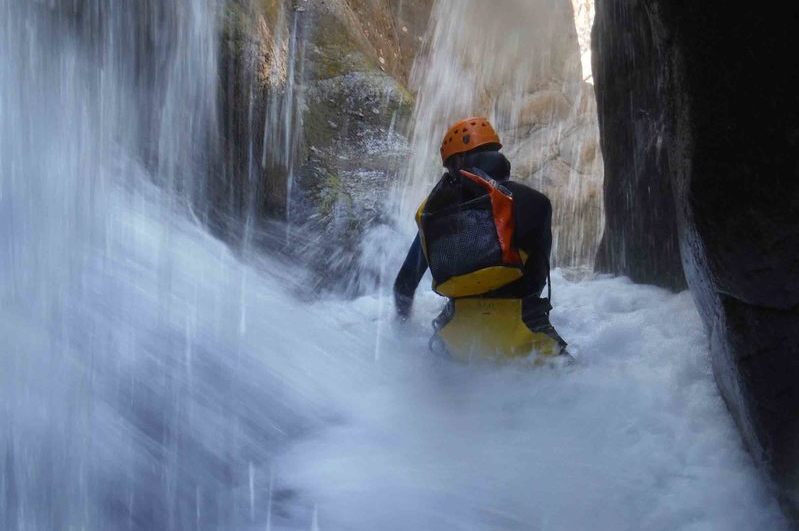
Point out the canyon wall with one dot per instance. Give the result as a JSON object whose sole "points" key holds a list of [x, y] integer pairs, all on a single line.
{"points": [[314, 108], [699, 117], [640, 237]]}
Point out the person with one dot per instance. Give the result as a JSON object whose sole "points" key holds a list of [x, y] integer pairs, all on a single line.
{"points": [[486, 240]]}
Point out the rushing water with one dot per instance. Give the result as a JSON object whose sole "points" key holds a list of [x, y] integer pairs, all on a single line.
{"points": [[151, 380]]}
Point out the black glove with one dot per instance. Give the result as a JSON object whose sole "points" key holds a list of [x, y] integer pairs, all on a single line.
{"points": [[403, 305]]}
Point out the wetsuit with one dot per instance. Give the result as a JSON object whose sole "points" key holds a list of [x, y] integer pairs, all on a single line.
{"points": [[533, 235]]}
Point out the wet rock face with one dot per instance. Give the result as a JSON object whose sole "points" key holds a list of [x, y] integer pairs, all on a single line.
{"points": [[351, 158], [556, 149], [736, 171], [314, 107], [729, 108], [640, 238]]}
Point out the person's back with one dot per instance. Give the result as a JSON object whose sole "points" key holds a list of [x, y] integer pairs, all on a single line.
{"points": [[495, 308]]}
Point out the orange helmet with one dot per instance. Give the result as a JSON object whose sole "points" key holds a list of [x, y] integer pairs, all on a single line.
{"points": [[467, 135]]}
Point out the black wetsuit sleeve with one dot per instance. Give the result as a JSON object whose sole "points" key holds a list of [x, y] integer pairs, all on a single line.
{"points": [[533, 212], [535, 230], [410, 274]]}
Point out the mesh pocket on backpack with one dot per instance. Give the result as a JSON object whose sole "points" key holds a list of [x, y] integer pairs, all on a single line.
{"points": [[462, 239]]}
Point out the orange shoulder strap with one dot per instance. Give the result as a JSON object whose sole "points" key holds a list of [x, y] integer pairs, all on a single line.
{"points": [[504, 219]]}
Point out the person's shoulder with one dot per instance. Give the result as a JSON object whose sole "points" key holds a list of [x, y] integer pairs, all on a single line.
{"points": [[516, 186], [524, 192]]}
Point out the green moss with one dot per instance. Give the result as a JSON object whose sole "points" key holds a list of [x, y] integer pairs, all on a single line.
{"points": [[335, 97], [326, 188], [329, 192], [405, 106], [270, 9], [236, 27], [337, 50]]}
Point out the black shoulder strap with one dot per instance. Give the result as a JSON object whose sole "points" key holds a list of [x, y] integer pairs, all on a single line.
{"points": [[549, 282]]}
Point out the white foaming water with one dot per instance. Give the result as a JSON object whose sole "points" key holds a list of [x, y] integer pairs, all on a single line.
{"points": [[150, 380]]}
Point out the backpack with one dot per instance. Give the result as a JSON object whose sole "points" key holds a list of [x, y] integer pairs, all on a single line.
{"points": [[467, 226]]}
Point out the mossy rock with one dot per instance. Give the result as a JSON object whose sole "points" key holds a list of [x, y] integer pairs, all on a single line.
{"points": [[353, 112]]}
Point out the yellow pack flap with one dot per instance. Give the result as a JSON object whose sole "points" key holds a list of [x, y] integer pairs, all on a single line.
{"points": [[493, 328], [478, 282]]}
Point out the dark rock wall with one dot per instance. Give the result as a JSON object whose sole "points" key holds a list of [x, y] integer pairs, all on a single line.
{"points": [[723, 103], [737, 176], [640, 238], [241, 50]]}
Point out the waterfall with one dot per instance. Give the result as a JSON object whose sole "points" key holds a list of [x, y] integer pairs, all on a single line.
{"points": [[99, 102], [520, 66], [86, 87], [147, 377]]}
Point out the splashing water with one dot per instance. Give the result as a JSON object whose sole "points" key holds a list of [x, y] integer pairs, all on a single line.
{"points": [[150, 380]]}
